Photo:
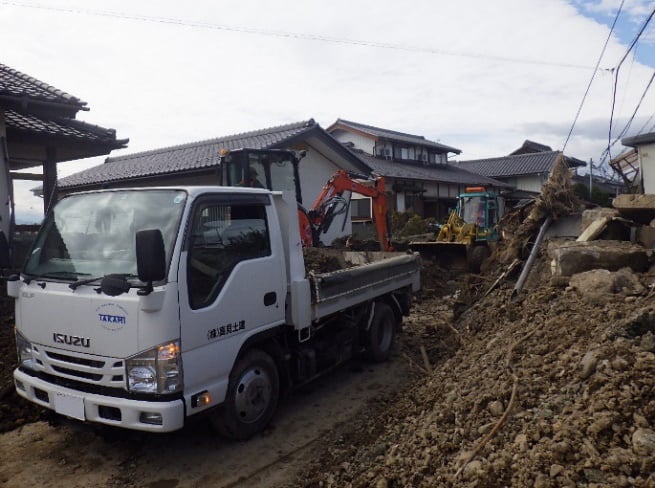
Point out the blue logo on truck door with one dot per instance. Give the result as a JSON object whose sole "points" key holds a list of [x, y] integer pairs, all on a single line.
{"points": [[111, 316]]}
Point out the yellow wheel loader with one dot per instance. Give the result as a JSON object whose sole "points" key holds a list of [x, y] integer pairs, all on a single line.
{"points": [[463, 242]]}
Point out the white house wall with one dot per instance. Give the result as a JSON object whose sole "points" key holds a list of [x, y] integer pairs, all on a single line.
{"points": [[647, 163], [364, 143], [531, 182], [315, 170]]}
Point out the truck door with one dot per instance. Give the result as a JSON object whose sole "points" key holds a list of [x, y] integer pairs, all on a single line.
{"points": [[232, 283]]}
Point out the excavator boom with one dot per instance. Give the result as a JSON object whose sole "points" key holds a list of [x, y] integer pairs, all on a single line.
{"points": [[330, 203]]}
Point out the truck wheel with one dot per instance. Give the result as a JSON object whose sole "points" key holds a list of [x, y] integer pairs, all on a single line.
{"points": [[381, 333], [251, 397]]}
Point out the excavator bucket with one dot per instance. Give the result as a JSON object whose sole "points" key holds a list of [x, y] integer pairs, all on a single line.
{"points": [[447, 255]]}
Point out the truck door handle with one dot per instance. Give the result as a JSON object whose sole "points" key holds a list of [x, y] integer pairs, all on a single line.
{"points": [[270, 298]]}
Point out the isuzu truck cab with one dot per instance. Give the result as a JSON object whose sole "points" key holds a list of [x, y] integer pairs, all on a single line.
{"points": [[138, 308]]}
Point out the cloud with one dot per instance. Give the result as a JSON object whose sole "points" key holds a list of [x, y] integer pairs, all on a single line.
{"points": [[462, 81]]}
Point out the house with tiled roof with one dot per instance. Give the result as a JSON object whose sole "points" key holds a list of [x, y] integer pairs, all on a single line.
{"points": [[416, 168], [525, 169], [39, 129], [196, 163]]}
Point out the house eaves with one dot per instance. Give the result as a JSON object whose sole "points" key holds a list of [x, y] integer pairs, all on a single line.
{"points": [[23, 92], [639, 140], [70, 129], [442, 173], [390, 135]]}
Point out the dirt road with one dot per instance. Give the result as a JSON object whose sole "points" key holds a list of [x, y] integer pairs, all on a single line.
{"points": [[75, 455]]}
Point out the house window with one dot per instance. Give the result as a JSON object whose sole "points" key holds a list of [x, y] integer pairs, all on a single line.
{"points": [[360, 208], [410, 199], [404, 153]]}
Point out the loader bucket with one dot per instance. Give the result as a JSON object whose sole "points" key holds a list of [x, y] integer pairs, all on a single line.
{"points": [[447, 255]]}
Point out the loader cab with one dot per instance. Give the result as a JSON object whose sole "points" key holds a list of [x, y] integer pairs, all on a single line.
{"points": [[480, 207], [274, 169]]}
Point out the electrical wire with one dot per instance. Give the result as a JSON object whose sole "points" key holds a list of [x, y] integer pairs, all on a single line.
{"points": [[296, 35], [641, 130], [607, 154], [632, 117], [593, 75]]}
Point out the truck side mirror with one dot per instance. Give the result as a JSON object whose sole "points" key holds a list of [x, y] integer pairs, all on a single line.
{"points": [[150, 256]]}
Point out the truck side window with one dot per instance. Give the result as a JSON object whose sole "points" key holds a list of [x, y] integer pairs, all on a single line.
{"points": [[221, 237]]}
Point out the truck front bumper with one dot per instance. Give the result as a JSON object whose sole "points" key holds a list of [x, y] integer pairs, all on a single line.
{"points": [[119, 412]]}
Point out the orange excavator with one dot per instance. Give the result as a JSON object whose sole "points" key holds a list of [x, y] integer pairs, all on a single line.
{"points": [[277, 169], [331, 203]]}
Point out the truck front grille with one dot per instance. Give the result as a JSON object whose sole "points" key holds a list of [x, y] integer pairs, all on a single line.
{"points": [[75, 360], [85, 368]]}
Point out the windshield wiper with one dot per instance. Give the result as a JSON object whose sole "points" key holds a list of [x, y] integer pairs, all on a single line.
{"points": [[86, 281], [77, 284]]}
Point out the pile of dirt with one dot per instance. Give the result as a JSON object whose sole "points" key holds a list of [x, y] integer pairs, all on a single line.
{"points": [[550, 390]]}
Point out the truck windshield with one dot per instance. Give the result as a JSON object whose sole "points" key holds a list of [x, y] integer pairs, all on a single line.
{"points": [[93, 234]]}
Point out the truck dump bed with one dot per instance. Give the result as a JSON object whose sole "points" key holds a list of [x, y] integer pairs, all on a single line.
{"points": [[369, 275]]}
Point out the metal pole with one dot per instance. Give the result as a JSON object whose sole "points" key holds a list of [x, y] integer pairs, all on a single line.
{"points": [[591, 179], [533, 254]]}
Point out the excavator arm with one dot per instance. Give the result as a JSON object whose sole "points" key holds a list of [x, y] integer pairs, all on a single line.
{"points": [[331, 203]]}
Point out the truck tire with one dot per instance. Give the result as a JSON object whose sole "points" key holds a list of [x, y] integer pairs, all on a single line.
{"points": [[380, 335], [251, 398]]}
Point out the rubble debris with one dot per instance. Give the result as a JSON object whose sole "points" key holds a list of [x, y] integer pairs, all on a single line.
{"points": [[589, 216], [600, 285], [576, 257], [639, 208]]}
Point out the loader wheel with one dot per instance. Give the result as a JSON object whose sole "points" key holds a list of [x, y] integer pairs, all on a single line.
{"points": [[381, 333], [476, 257], [251, 397]]}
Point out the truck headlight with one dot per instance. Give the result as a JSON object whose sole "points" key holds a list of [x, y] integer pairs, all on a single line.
{"points": [[24, 351], [157, 370]]}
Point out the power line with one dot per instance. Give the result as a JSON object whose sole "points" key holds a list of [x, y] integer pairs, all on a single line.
{"points": [[608, 152], [296, 35], [593, 75], [640, 131], [643, 95]]}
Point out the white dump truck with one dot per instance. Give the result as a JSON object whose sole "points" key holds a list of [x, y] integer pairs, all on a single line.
{"points": [[139, 308]]}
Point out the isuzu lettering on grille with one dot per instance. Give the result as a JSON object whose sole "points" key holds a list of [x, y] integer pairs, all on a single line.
{"points": [[71, 340]]}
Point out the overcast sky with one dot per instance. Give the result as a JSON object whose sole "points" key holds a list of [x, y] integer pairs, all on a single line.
{"points": [[478, 75]]}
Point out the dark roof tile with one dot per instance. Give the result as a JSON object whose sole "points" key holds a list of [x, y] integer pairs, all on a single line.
{"points": [[516, 165], [13, 83], [444, 173], [185, 157], [394, 135], [65, 127]]}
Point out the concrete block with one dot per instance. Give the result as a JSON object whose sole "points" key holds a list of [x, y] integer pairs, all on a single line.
{"points": [[640, 208], [593, 214], [646, 236], [576, 257]]}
